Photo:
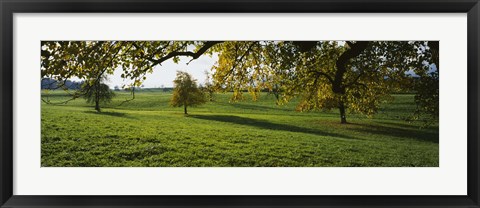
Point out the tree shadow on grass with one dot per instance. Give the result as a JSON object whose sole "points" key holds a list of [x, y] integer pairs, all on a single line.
{"points": [[406, 124], [279, 109], [108, 113], [245, 106], [263, 124], [411, 132]]}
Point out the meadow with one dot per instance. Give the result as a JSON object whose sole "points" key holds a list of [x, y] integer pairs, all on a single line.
{"points": [[148, 132]]}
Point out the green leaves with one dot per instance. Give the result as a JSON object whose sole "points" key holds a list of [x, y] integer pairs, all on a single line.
{"points": [[186, 92]]}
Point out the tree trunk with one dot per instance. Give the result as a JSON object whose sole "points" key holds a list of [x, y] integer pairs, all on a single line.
{"points": [[185, 109], [277, 96], [97, 106], [97, 101], [338, 85], [343, 116]]}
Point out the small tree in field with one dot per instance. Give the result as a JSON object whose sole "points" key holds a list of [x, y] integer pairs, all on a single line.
{"points": [[186, 92], [97, 93]]}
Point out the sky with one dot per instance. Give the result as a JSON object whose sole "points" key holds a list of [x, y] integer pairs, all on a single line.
{"points": [[165, 74]]}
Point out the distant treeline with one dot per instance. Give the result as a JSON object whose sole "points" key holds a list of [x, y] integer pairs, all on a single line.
{"points": [[165, 89], [52, 84]]}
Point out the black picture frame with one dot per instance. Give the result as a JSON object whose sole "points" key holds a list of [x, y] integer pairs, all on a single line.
{"points": [[9, 7]]}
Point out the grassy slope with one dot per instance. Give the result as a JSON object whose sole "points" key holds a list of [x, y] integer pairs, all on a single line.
{"points": [[148, 132]]}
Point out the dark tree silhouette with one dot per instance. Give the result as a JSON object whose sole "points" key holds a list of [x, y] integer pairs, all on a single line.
{"points": [[97, 93]]}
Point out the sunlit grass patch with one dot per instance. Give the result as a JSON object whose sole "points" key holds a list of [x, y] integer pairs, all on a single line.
{"points": [[148, 132]]}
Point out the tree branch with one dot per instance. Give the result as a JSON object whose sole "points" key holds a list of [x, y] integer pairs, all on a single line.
{"points": [[194, 55], [355, 80], [354, 51], [239, 60], [319, 73]]}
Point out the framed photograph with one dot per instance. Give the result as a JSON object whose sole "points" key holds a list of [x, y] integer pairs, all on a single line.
{"points": [[239, 104]]}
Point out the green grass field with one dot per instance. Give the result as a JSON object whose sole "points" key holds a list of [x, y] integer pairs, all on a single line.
{"points": [[147, 132]]}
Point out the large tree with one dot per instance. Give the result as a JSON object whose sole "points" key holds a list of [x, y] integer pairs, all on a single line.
{"points": [[348, 75], [351, 75]]}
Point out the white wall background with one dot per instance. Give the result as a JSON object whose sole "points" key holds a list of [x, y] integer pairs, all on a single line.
{"points": [[448, 179]]}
